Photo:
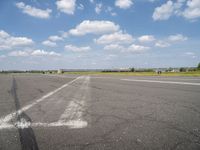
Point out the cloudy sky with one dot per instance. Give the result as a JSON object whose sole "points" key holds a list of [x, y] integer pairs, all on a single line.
{"points": [[52, 34]]}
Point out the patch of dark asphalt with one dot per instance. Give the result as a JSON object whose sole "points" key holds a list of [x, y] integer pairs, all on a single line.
{"points": [[27, 136], [41, 91]]}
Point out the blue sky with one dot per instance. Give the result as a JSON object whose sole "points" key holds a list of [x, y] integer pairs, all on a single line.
{"points": [[53, 34]]}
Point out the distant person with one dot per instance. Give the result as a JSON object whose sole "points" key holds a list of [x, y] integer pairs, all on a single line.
{"points": [[159, 72]]}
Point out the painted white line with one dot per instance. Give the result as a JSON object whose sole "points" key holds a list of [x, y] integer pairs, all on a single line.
{"points": [[60, 76], [71, 118], [74, 111], [10, 116], [150, 78], [168, 78], [93, 77], [182, 79], [6, 126], [72, 124], [165, 82]]}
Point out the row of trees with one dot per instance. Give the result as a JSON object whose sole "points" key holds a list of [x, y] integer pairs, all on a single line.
{"points": [[129, 70], [141, 70], [182, 69], [30, 71]]}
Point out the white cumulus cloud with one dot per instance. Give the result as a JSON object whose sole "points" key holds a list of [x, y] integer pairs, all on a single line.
{"points": [[127, 49], [8, 42], [34, 12], [146, 38], [117, 37], [162, 44], [94, 27], [177, 37], [137, 48], [19, 53], [37, 52], [49, 43], [98, 8], [66, 6], [163, 12], [55, 38], [189, 9], [124, 4], [81, 7], [193, 9], [3, 34], [114, 47], [44, 53], [77, 49]]}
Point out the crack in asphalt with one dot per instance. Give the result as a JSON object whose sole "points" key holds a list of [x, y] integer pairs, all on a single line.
{"points": [[120, 122], [193, 137]]}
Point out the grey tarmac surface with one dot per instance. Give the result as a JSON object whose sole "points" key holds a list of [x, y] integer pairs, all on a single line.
{"points": [[67, 112]]}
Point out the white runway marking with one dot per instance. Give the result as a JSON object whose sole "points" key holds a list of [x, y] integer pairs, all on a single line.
{"points": [[72, 116], [168, 78], [7, 118], [60, 76], [165, 82], [73, 113], [152, 78], [74, 110], [73, 124]]}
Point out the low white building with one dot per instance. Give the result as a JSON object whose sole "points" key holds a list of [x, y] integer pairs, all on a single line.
{"points": [[60, 71]]}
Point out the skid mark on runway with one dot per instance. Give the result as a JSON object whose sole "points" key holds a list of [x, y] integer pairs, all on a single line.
{"points": [[72, 117], [27, 137], [165, 82]]}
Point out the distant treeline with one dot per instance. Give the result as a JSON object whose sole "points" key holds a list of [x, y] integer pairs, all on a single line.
{"points": [[30, 71], [129, 70], [181, 69]]}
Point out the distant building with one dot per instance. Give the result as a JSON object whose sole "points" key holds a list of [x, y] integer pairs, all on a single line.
{"points": [[60, 71], [175, 70]]}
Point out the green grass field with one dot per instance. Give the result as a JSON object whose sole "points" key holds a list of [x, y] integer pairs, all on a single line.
{"points": [[189, 74], [194, 73]]}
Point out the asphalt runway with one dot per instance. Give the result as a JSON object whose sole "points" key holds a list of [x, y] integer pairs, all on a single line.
{"points": [[68, 112]]}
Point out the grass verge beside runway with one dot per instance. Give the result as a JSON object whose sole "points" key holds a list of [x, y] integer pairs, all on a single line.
{"points": [[190, 74], [186, 74]]}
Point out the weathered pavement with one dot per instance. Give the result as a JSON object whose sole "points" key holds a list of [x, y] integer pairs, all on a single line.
{"points": [[69, 112]]}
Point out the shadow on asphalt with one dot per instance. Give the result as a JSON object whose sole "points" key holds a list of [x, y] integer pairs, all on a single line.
{"points": [[27, 136]]}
